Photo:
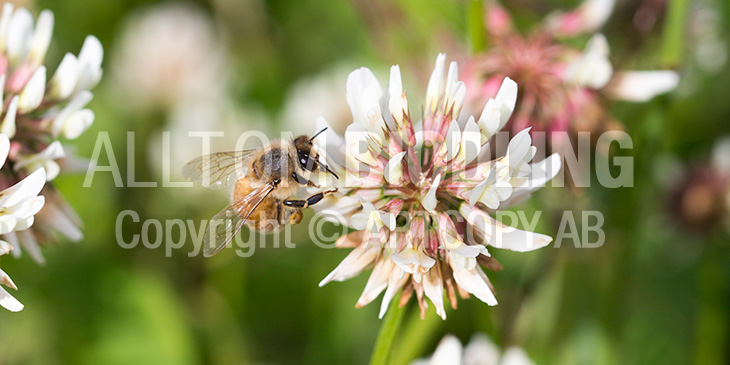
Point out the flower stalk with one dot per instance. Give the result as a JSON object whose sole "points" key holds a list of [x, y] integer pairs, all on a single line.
{"points": [[674, 29], [386, 336], [475, 26]]}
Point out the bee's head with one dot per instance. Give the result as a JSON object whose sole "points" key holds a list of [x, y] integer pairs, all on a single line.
{"points": [[307, 157]]}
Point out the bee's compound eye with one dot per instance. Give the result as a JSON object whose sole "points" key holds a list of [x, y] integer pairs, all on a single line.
{"points": [[304, 161]]}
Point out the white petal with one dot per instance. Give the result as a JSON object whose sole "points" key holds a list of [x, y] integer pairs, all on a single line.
{"points": [[457, 99], [516, 356], [79, 101], [481, 350], [4, 149], [370, 105], [41, 37], [429, 202], [475, 282], [4, 24], [358, 142], [506, 99], [8, 126], [471, 141], [29, 187], [395, 282], [452, 140], [476, 194], [44, 159], [2, 89], [519, 148], [32, 94], [592, 68], [500, 235], [447, 352], [395, 86], [452, 78], [5, 247], [541, 173], [8, 302], [433, 288], [25, 210], [20, 33], [435, 88], [63, 82], [394, 170], [360, 221], [387, 219], [377, 282], [356, 261], [90, 57], [357, 82], [413, 261], [594, 13], [78, 122], [640, 86], [490, 120]]}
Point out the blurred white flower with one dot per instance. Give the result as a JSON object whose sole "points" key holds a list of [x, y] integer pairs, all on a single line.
{"points": [[479, 351], [18, 205], [186, 120], [317, 96], [39, 107], [169, 52]]}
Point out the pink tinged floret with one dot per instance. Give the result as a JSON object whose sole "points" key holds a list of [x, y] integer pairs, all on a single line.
{"points": [[4, 65], [393, 206], [570, 23], [19, 78], [498, 20]]}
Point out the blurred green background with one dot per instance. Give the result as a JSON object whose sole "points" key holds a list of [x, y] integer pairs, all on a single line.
{"points": [[655, 292]]}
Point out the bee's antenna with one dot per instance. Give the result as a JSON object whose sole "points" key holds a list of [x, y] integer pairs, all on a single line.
{"points": [[316, 134], [330, 171]]}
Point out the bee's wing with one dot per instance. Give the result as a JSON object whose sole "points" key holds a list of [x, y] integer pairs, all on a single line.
{"points": [[214, 171], [233, 216]]}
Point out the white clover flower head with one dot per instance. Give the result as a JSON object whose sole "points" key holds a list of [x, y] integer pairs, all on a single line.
{"points": [[40, 107], [414, 192]]}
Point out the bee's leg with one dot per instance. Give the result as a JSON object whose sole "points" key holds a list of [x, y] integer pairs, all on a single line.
{"points": [[303, 203], [303, 181]]}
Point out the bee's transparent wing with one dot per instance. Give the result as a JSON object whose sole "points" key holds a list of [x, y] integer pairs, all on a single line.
{"points": [[215, 171], [229, 221]]}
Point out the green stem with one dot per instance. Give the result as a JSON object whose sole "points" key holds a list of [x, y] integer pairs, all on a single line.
{"points": [[416, 336], [674, 29], [386, 336], [475, 26]]}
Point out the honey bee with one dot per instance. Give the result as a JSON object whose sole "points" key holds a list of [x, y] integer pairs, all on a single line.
{"points": [[266, 180]]}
